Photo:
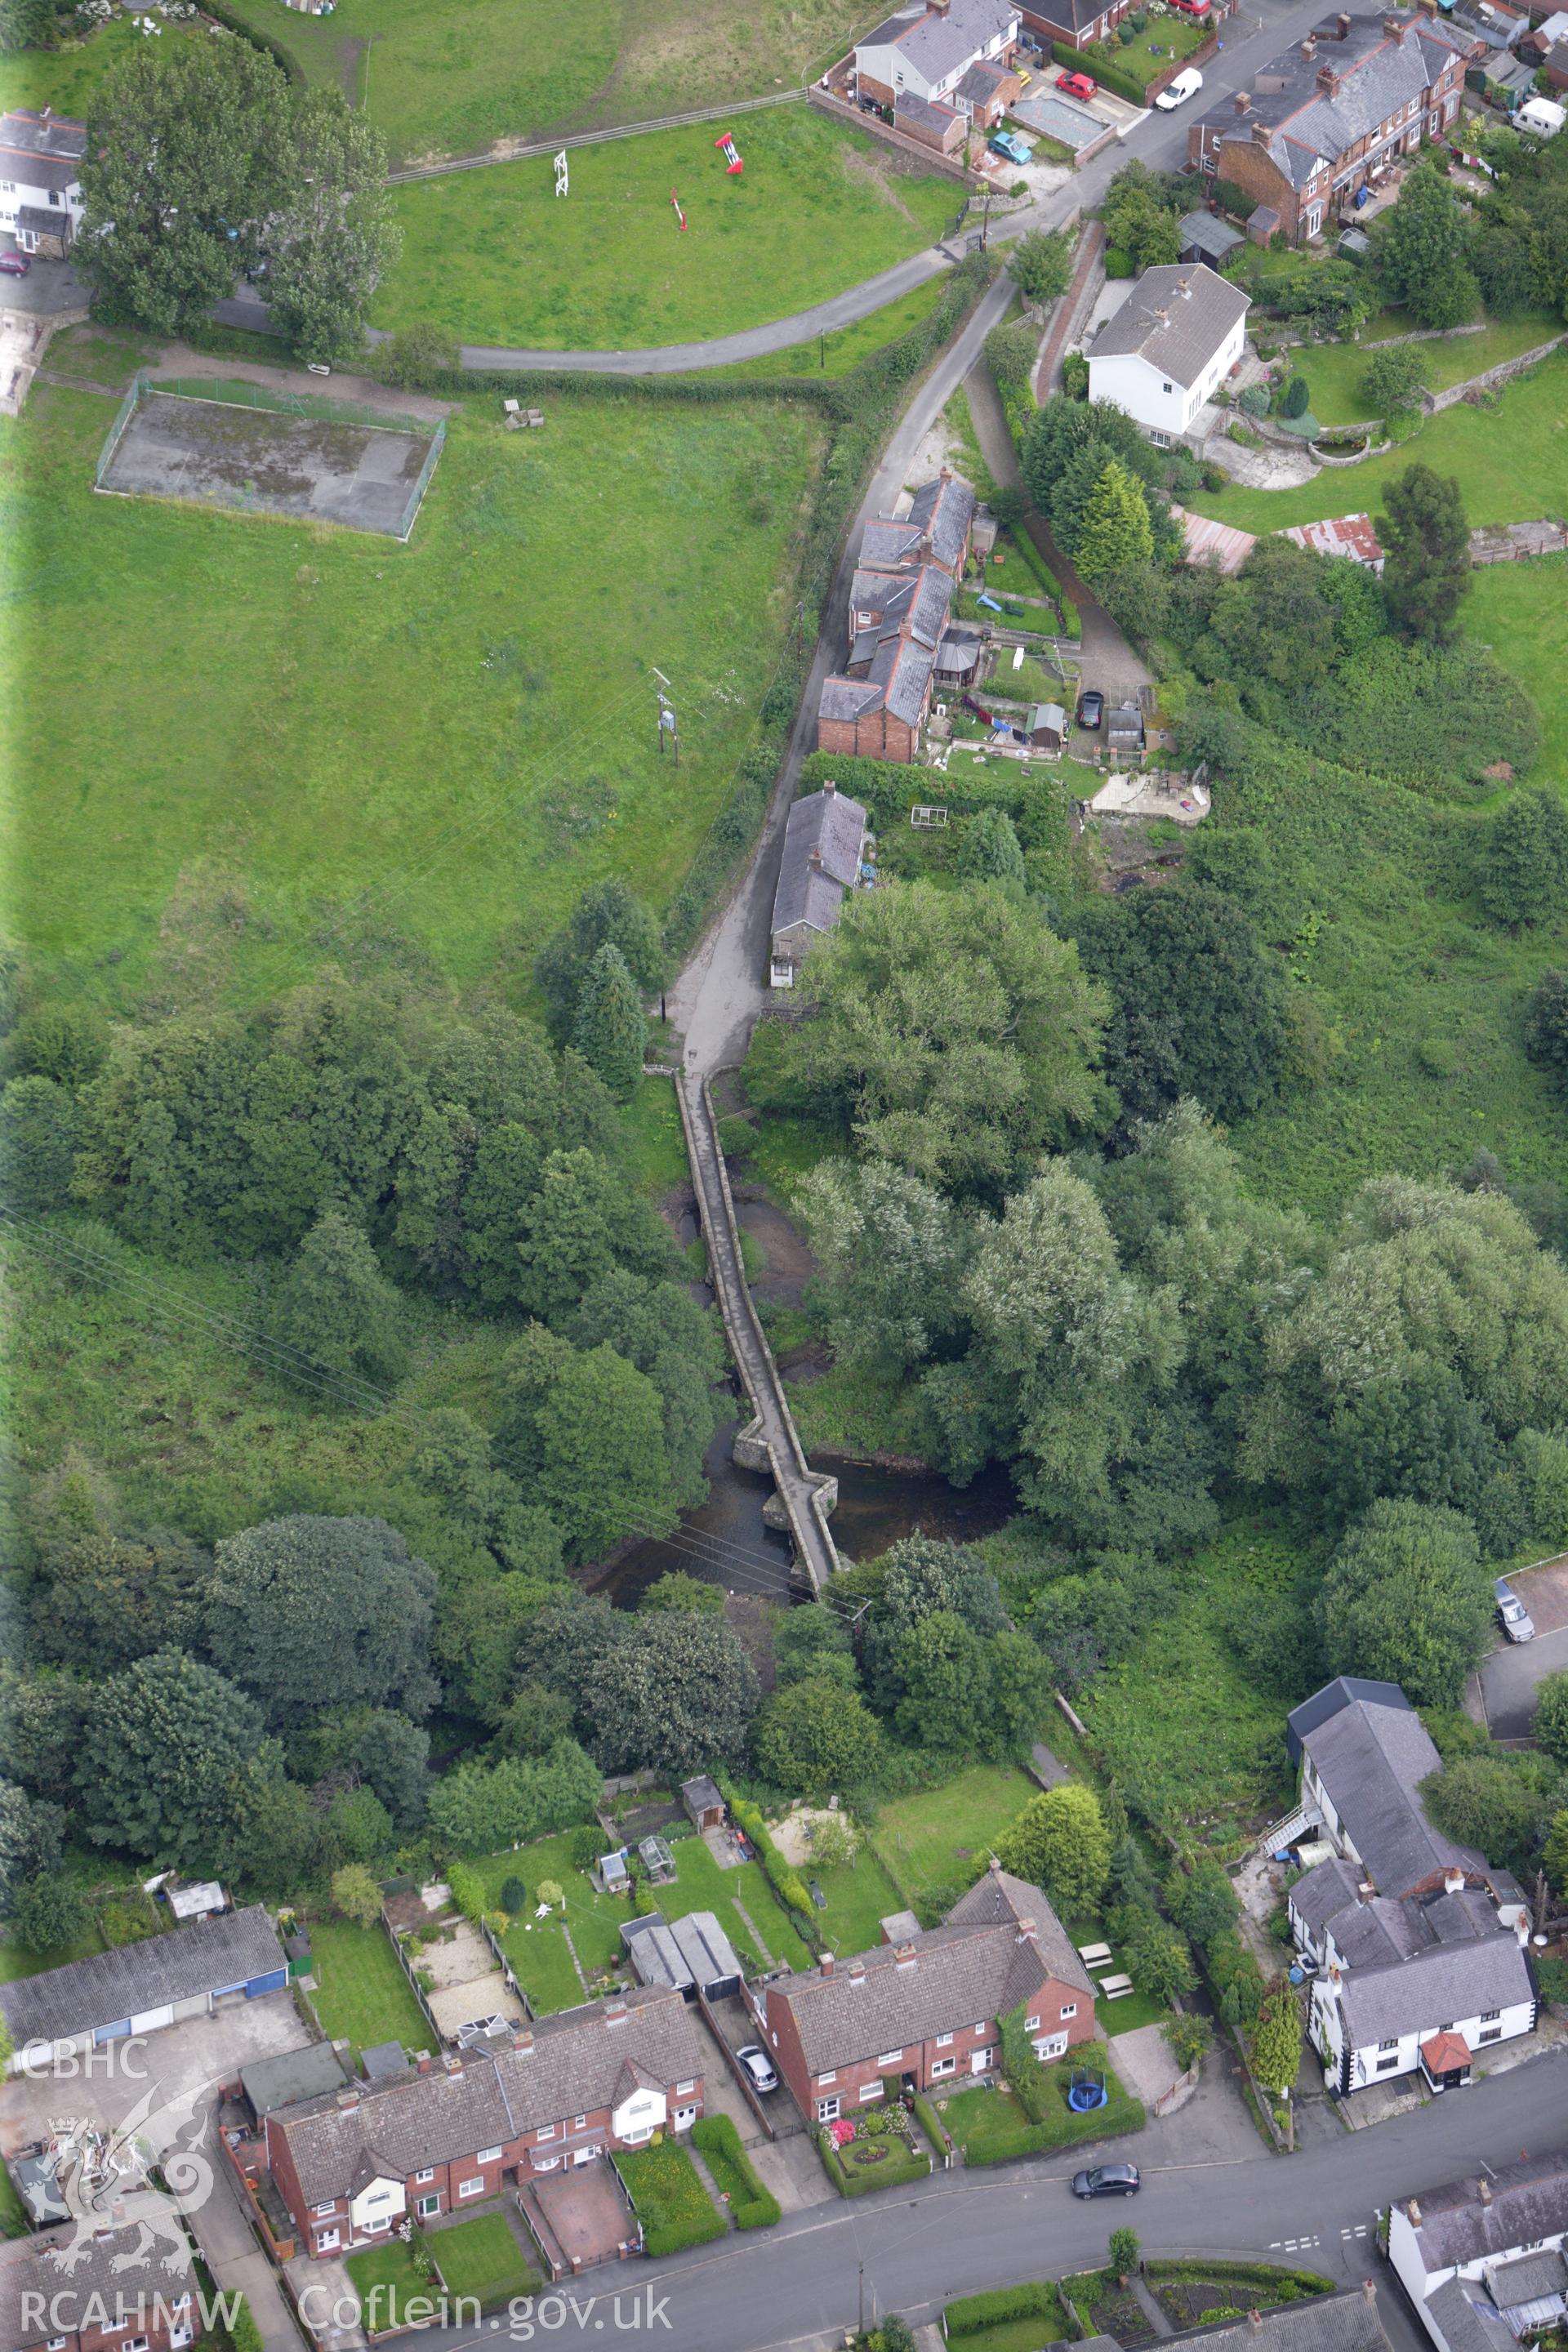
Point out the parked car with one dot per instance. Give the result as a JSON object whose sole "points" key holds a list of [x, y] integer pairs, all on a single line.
{"points": [[1199, 8], [759, 2066], [1090, 707], [1007, 144], [1078, 85], [1517, 1622], [13, 264], [1182, 86], [1106, 2180]]}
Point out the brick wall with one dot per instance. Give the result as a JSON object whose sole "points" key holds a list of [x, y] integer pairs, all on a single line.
{"points": [[927, 157]]}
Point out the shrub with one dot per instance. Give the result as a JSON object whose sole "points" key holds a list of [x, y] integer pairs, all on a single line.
{"points": [[355, 1894], [1254, 400], [1233, 198], [468, 1890], [1214, 476], [1244, 435], [513, 1896], [1075, 376], [1118, 262]]}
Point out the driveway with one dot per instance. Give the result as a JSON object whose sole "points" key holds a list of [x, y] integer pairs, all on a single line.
{"points": [[1502, 1695]]}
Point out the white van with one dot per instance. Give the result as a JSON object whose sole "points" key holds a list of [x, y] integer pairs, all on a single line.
{"points": [[1185, 85]]}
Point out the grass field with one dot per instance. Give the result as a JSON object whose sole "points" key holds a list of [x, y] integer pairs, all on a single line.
{"points": [[847, 346], [940, 1840], [453, 76], [1521, 610], [361, 1995], [1511, 462], [68, 79], [1335, 371], [310, 743], [481, 2258], [817, 208]]}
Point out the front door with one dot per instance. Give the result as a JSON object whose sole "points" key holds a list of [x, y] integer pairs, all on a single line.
{"points": [[979, 2062]]}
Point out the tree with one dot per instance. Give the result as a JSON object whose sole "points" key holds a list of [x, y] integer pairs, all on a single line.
{"points": [[611, 1029], [815, 1738], [1040, 266], [1188, 2036], [676, 1590], [1123, 2251], [1115, 533], [359, 1825], [1421, 251], [1297, 396], [49, 1913], [478, 1808], [356, 1897], [891, 1250], [417, 358], [1158, 1959], [394, 1757], [672, 1693], [1408, 1600], [1277, 2042], [1546, 1023], [39, 1124], [334, 1313], [1554, 1858], [189, 151], [173, 1765], [813, 1641], [607, 915], [1011, 351], [27, 24], [1521, 867], [1425, 538], [311, 1612], [479, 1621], [1202, 1901], [584, 1432], [1393, 379], [1549, 1726], [332, 240], [110, 1598], [662, 1331], [1495, 1801], [988, 851], [1059, 1841]]}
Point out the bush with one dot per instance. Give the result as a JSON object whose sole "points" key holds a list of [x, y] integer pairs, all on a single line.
{"points": [[1214, 476], [1118, 262], [1234, 199], [1075, 376], [751, 2206], [1255, 400], [1297, 395], [902, 2164], [1245, 437]]}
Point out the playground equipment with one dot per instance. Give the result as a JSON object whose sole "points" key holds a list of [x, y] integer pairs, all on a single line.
{"points": [[733, 166], [1087, 2090], [563, 183], [679, 215]]}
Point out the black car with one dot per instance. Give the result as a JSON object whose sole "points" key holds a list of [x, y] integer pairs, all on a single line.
{"points": [[1090, 707], [1108, 2180]]}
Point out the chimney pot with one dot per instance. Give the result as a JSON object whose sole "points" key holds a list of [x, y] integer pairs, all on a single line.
{"points": [[1369, 2288], [1327, 79], [422, 2062], [1242, 101]]}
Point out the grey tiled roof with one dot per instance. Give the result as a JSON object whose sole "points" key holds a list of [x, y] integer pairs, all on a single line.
{"points": [[921, 596], [692, 1950], [936, 42], [1469, 2322], [1530, 2278], [107, 1987], [1445, 1983], [885, 545], [27, 132], [830, 822], [935, 114], [278, 2082], [1325, 1890], [1378, 70], [1209, 233], [574, 2068], [945, 509], [1527, 2203], [982, 82], [1177, 317], [108, 2271], [1322, 2323], [972, 1969], [845, 698], [901, 666], [1372, 1758]]}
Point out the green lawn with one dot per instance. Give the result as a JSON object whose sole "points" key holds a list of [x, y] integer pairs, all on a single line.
{"points": [[68, 79], [13, 2221], [481, 2258], [1335, 371], [1521, 610], [936, 1843], [860, 1896], [1013, 2336], [847, 346], [361, 1994], [452, 77], [1175, 36], [659, 1139], [671, 2203], [315, 743], [1511, 462], [817, 208], [385, 2279]]}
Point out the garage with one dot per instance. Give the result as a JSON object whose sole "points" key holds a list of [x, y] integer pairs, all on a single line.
{"points": [[150, 2021], [140, 1988]]}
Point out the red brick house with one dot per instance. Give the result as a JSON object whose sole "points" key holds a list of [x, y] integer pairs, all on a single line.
{"points": [[900, 602], [104, 2295], [929, 2008], [1076, 22], [352, 2166], [1329, 117]]}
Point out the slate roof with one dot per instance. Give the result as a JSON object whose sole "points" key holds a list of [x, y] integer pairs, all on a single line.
{"points": [[1325, 2322], [693, 1950], [28, 131], [293, 2075], [1528, 2202], [901, 668], [830, 822], [958, 651], [1379, 71], [107, 2270], [934, 113], [1330, 1699], [885, 544], [1211, 236], [943, 510], [107, 1987], [936, 42], [1469, 2322], [880, 601], [975, 1967], [1530, 2278], [1446, 1982], [1322, 1892], [1175, 318], [1371, 1755], [576, 2062], [982, 82]]}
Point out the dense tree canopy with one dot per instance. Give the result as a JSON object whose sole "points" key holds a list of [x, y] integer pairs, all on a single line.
{"points": [[814, 1738], [1059, 1841], [1425, 536], [334, 236], [311, 1612], [1421, 250], [605, 916], [174, 1766], [1406, 1599]]}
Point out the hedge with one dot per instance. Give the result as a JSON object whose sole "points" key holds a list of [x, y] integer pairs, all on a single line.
{"points": [[751, 2207], [1110, 78], [1057, 2125], [1271, 2276], [788, 1886], [467, 1891], [894, 2172], [669, 2200], [275, 49], [1036, 2299]]}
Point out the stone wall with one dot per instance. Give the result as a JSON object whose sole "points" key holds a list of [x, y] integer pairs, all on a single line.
{"points": [[1500, 374]]}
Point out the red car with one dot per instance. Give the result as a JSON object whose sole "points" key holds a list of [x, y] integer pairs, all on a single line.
{"points": [[1191, 7], [13, 265], [1080, 85]]}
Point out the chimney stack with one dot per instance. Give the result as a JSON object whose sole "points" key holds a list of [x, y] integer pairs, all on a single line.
{"points": [[905, 1957], [827, 1964], [1413, 2210], [1369, 2288], [1026, 1931], [454, 2063], [1485, 2188], [1327, 79], [1310, 48], [615, 2012], [1255, 2320], [814, 859], [831, 789], [523, 2041], [1341, 27], [1453, 1882], [348, 2100], [856, 1972], [1242, 101], [422, 2062]]}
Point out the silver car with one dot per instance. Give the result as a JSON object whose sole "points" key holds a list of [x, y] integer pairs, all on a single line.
{"points": [[759, 2066], [1517, 1620]]}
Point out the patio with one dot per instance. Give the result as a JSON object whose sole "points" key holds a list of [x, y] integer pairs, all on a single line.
{"points": [[585, 2212]]}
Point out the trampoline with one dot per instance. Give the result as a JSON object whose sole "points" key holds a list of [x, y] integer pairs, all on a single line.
{"points": [[1087, 2090]]}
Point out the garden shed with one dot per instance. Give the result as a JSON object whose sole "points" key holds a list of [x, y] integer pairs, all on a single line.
{"points": [[703, 1800]]}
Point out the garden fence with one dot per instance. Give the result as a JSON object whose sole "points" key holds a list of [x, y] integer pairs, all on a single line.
{"points": [[234, 393], [437, 444], [117, 430]]}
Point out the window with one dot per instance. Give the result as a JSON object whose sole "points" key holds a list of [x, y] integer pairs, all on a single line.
{"points": [[546, 2163], [1314, 220], [1390, 2045], [1051, 2045], [580, 2123], [1165, 387], [943, 2067], [1384, 2064], [832, 2073], [547, 2131], [490, 2154], [1491, 2033], [944, 2041], [137, 2343], [471, 2188], [980, 2028], [327, 2208], [1070, 2008], [869, 2091], [827, 2111], [682, 2090], [56, 2344], [427, 2174], [1490, 2016], [1031, 2025], [375, 2229], [427, 2206], [327, 2238], [890, 2058]]}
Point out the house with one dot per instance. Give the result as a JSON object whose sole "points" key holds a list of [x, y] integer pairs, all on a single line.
{"points": [[352, 2166], [140, 1988], [1075, 22], [692, 1955], [929, 2008], [823, 836], [1482, 2259], [1173, 341], [925, 52], [704, 1801], [40, 192], [119, 2292], [1324, 120], [900, 599], [1348, 536], [929, 122], [1557, 66], [1419, 1944], [1205, 237], [1346, 2322]]}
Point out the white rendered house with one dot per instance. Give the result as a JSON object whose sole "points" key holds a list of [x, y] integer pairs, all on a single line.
{"points": [[1169, 348], [1482, 2260]]}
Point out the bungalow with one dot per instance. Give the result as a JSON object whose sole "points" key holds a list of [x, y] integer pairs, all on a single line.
{"points": [[824, 835], [140, 1988], [1175, 340], [354, 2164], [40, 186], [116, 2292], [1482, 2260], [1418, 1943], [925, 52], [928, 2009]]}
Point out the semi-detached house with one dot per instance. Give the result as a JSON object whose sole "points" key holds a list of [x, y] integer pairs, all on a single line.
{"points": [[353, 2165], [111, 2292], [928, 2008], [1482, 2260], [40, 179], [925, 51]]}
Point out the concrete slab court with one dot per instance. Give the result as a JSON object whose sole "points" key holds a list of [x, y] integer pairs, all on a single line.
{"points": [[213, 454]]}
